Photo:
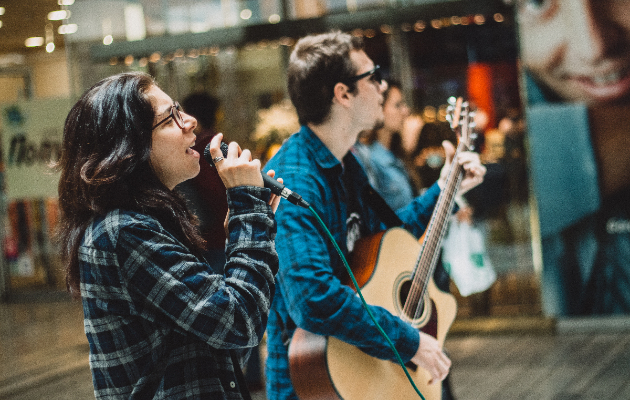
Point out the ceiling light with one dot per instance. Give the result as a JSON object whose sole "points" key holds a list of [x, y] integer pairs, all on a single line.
{"points": [[65, 2], [67, 29], [58, 15], [50, 47], [246, 14], [107, 40], [135, 28], [34, 41], [0, 24], [1, 10], [479, 19]]}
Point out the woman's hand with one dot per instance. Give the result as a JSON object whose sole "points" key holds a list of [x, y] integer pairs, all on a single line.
{"points": [[474, 171], [237, 168], [274, 202]]}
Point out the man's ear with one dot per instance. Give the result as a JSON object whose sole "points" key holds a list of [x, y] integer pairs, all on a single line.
{"points": [[341, 94]]}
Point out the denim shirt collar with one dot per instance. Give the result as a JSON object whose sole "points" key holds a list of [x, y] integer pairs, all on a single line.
{"points": [[324, 158]]}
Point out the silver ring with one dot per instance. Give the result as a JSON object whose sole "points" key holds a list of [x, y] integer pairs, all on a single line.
{"points": [[217, 159]]}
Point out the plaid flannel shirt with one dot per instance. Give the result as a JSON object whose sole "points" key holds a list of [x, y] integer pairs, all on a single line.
{"points": [[309, 291], [159, 324]]}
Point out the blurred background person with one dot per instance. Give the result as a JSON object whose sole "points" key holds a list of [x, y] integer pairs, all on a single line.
{"points": [[428, 156], [513, 126], [404, 143], [385, 168], [205, 193], [274, 125]]}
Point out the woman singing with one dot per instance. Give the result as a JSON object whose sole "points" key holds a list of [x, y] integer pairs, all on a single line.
{"points": [[159, 322]]}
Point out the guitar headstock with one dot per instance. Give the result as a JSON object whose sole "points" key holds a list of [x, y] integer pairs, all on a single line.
{"points": [[462, 120]]}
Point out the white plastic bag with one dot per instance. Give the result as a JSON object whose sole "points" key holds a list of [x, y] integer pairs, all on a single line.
{"points": [[465, 258]]}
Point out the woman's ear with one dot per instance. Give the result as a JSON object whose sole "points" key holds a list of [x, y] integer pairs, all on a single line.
{"points": [[341, 94]]}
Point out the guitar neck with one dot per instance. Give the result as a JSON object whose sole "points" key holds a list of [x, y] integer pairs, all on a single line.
{"points": [[435, 232], [432, 238]]}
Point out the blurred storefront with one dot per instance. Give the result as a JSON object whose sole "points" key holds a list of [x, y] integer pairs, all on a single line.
{"points": [[237, 51]]}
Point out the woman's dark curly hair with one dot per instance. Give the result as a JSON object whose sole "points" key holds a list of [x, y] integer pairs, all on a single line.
{"points": [[105, 165]]}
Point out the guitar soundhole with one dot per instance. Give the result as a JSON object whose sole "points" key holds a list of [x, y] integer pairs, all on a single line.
{"points": [[413, 312]]}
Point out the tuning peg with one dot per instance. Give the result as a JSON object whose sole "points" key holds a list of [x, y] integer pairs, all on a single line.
{"points": [[472, 141]]}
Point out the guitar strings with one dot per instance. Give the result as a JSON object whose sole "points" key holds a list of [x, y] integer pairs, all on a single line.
{"points": [[414, 303], [429, 248]]}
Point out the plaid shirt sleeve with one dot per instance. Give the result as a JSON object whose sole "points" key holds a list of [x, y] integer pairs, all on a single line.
{"points": [[167, 282], [148, 301]]}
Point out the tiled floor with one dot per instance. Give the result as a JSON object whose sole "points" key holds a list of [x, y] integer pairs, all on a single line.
{"points": [[43, 355]]}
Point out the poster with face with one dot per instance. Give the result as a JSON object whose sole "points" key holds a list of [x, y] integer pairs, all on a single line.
{"points": [[575, 58]]}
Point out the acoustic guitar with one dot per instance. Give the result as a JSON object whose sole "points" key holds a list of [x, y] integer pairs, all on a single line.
{"points": [[395, 271]]}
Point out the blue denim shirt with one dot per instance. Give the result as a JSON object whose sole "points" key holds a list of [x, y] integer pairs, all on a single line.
{"points": [[309, 291], [386, 173]]}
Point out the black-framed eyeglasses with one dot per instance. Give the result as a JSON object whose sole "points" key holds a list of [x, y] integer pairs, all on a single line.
{"points": [[176, 114], [374, 74]]}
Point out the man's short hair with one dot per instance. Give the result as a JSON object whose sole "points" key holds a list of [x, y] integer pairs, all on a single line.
{"points": [[316, 65]]}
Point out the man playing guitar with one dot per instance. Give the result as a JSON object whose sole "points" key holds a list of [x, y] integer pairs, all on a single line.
{"points": [[337, 92]]}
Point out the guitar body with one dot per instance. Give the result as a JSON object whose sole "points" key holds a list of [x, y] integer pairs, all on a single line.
{"points": [[327, 368]]}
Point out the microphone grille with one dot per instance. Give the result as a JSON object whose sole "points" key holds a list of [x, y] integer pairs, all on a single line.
{"points": [[208, 157]]}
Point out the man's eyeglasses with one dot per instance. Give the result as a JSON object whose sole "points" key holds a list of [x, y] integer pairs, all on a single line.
{"points": [[374, 74], [176, 114]]}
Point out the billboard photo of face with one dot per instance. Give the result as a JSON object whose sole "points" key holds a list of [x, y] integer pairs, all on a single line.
{"points": [[575, 59], [577, 50]]}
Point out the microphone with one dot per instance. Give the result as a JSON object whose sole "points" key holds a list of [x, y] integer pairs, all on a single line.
{"points": [[276, 187]]}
